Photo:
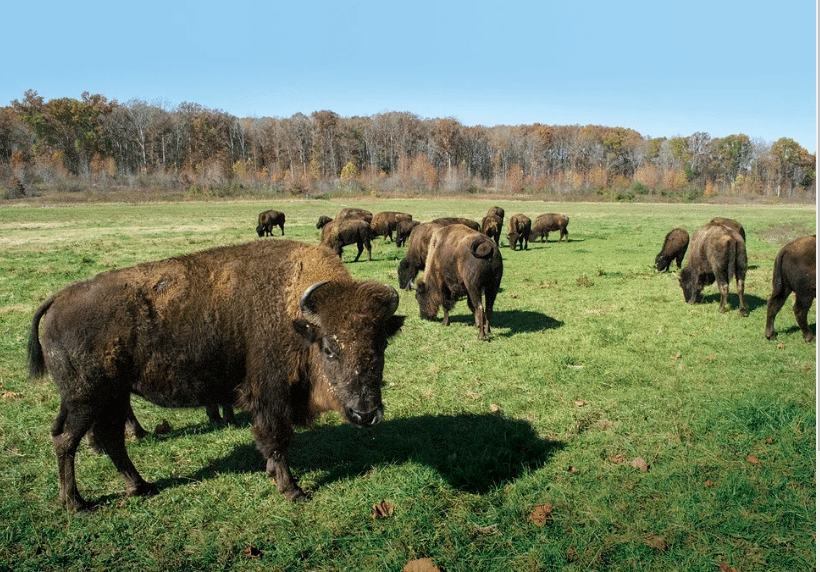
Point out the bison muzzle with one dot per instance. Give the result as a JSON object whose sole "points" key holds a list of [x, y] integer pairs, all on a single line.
{"points": [[280, 329]]}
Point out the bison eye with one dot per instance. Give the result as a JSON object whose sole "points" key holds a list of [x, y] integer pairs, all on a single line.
{"points": [[330, 349]]}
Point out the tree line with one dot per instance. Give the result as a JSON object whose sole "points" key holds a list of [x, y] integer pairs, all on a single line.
{"points": [[106, 143]]}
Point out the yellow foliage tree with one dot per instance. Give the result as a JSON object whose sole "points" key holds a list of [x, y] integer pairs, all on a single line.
{"points": [[349, 172]]}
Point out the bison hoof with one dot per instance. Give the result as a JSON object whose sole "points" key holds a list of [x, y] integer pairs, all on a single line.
{"points": [[809, 337], [143, 489], [296, 494], [744, 313]]}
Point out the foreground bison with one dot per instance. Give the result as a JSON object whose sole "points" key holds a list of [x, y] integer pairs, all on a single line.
{"points": [[268, 220], [520, 228], [280, 328], [460, 262], [549, 222], [385, 223], [339, 233], [717, 253], [674, 248], [795, 269]]}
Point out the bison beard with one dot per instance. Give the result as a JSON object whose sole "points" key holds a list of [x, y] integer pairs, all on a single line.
{"points": [[279, 328]]}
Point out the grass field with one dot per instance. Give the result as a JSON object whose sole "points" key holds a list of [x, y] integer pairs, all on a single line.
{"points": [[607, 425]]}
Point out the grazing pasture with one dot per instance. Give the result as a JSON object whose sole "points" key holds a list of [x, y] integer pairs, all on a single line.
{"points": [[606, 425]]}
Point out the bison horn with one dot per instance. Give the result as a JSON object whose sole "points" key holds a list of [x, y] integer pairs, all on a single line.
{"points": [[392, 302], [307, 303]]}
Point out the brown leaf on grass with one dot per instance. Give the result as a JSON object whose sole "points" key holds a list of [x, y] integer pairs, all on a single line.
{"points": [[768, 440], [421, 565], [751, 459], [540, 515], [163, 428], [579, 403], [709, 483], [640, 464], [675, 357], [10, 395], [657, 542], [494, 408], [252, 552], [781, 345], [724, 567], [573, 470], [382, 510], [711, 357], [618, 459]]}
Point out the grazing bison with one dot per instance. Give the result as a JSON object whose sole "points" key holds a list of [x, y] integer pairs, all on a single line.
{"points": [[491, 225], [384, 223], [268, 220], [403, 230], [795, 270], [546, 223], [731, 223], [497, 211], [460, 262], [339, 233], [520, 227], [469, 223], [278, 326], [323, 220], [674, 248], [717, 253]]}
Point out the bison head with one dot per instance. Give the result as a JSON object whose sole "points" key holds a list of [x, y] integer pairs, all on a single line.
{"points": [[346, 326], [689, 284], [429, 300], [661, 263], [513, 238], [260, 230]]}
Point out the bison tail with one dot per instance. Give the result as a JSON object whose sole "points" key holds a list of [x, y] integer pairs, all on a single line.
{"points": [[777, 274], [482, 247], [36, 363]]}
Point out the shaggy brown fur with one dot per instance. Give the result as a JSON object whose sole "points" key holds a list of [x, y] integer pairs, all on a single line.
{"points": [[491, 226], [520, 227], [469, 223], [278, 327], [268, 220], [795, 270], [339, 233], [731, 223], [546, 223], [460, 262], [717, 253], [384, 223], [674, 248], [403, 230]]}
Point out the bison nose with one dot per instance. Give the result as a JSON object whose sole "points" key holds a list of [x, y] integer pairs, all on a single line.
{"points": [[364, 418]]}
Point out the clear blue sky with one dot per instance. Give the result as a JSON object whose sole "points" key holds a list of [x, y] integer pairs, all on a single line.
{"points": [[662, 68]]}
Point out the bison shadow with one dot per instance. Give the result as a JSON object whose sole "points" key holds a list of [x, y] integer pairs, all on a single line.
{"points": [[473, 453], [752, 302], [516, 321]]}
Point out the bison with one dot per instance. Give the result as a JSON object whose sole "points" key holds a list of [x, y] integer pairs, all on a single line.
{"points": [[280, 328], [268, 220], [403, 230], [460, 261], [731, 223], [795, 270], [546, 223], [718, 252], [323, 220], [491, 225], [520, 227], [384, 223], [341, 232], [674, 248], [497, 211]]}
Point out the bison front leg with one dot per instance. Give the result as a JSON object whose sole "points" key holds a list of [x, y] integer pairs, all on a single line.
{"points": [[278, 471], [273, 441]]}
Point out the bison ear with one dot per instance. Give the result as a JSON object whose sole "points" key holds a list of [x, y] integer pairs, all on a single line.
{"points": [[306, 330]]}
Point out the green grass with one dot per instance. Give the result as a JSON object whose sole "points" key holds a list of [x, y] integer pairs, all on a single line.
{"points": [[594, 360]]}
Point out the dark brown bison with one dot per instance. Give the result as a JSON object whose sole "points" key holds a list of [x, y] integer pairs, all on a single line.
{"points": [[416, 256], [717, 253], [520, 228], [186, 332], [339, 233], [355, 213], [460, 262], [674, 248], [268, 220], [384, 223], [323, 220], [731, 223], [549, 222], [795, 270], [497, 211], [492, 225], [469, 223], [403, 230]]}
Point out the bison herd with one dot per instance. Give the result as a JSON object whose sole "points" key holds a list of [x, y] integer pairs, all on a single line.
{"points": [[282, 330]]}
